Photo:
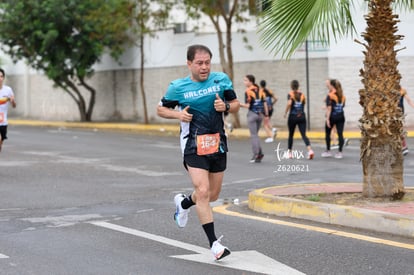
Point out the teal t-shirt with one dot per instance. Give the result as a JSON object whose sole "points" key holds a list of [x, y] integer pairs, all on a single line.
{"points": [[200, 97]]}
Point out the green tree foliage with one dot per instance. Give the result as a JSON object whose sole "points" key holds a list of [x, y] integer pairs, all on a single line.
{"points": [[64, 39]]}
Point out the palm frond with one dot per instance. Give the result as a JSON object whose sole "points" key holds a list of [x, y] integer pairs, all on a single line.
{"points": [[404, 4], [289, 23]]}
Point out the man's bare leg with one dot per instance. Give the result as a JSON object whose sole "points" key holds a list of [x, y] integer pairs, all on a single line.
{"points": [[207, 187]]}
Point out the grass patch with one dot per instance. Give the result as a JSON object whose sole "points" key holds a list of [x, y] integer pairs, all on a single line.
{"points": [[314, 197]]}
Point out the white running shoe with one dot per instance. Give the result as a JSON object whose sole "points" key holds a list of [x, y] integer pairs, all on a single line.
{"points": [[326, 154], [311, 154], [405, 151], [335, 146], [338, 155], [181, 215], [269, 140], [346, 142], [219, 251], [274, 131], [230, 127]]}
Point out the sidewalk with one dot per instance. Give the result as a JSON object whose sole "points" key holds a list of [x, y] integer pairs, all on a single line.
{"points": [[394, 218]]}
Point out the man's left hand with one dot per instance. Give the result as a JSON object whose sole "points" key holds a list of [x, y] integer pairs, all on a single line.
{"points": [[219, 104]]}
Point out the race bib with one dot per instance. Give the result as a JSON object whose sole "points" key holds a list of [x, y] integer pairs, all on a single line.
{"points": [[1, 117], [208, 144]]}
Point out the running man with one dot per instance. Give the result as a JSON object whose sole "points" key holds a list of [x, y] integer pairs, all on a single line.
{"points": [[6, 98], [202, 99]]}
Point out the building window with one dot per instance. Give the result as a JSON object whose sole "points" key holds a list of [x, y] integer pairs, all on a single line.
{"points": [[180, 28], [227, 6]]}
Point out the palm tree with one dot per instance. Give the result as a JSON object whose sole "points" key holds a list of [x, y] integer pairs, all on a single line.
{"points": [[289, 23]]}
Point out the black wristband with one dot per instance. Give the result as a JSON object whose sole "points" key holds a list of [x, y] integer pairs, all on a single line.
{"points": [[227, 107]]}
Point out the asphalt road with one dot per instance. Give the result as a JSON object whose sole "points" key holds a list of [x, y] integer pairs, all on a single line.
{"points": [[96, 202]]}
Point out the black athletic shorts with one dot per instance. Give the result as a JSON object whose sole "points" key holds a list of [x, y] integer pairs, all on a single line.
{"points": [[213, 163], [3, 132]]}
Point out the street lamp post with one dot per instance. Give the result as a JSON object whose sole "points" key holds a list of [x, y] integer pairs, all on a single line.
{"points": [[307, 83]]}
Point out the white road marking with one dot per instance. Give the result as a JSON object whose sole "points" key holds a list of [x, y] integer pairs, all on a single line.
{"points": [[249, 260], [242, 260], [100, 163], [248, 180], [144, 210], [12, 209], [144, 172], [59, 221], [2, 256], [166, 146], [16, 163], [149, 236]]}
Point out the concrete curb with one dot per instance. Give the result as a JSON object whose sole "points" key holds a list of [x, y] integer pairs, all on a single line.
{"points": [[162, 129], [173, 129], [98, 125], [349, 216]]}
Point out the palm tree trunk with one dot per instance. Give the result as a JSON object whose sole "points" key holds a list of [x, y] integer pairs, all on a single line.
{"points": [[382, 120]]}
